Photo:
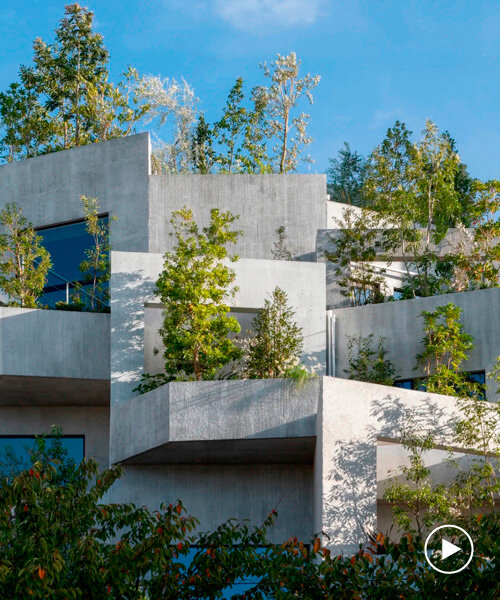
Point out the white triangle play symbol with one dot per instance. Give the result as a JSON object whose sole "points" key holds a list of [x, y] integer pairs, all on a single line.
{"points": [[448, 549]]}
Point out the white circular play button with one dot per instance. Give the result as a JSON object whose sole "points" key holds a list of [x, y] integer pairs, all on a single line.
{"points": [[438, 548]]}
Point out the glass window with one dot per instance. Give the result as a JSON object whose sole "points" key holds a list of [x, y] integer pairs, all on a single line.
{"points": [[15, 450], [67, 245], [406, 384]]}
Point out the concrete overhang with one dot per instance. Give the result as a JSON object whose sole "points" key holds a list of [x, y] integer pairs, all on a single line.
{"points": [[54, 344], [17, 390], [249, 421]]}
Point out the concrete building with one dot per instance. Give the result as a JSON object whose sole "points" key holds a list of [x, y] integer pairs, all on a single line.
{"points": [[319, 450]]}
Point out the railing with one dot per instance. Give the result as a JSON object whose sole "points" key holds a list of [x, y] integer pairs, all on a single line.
{"points": [[67, 285]]}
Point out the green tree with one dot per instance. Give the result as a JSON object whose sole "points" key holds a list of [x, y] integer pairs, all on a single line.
{"points": [[280, 99], [412, 186], [355, 247], [369, 362], [93, 294], [194, 288], [24, 121], [202, 147], [446, 348], [240, 135], [65, 99], [24, 262], [275, 348], [346, 176], [418, 502], [476, 254], [476, 429]]}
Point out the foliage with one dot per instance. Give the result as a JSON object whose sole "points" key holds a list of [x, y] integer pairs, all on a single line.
{"points": [[418, 502], [280, 98], [355, 248], [412, 186], [240, 135], [476, 429], [48, 450], [367, 363], [280, 249], [275, 348], [24, 262], [194, 287], [96, 266], [170, 103], [476, 256], [446, 346], [65, 99], [346, 176], [62, 541]]}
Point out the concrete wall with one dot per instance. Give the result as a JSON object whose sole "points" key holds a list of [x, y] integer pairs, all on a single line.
{"points": [[214, 410], [263, 203], [216, 493], [133, 276], [91, 421], [54, 343], [400, 324], [351, 417], [48, 188]]}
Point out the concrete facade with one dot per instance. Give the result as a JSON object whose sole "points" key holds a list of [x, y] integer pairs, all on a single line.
{"points": [[319, 450], [400, 323]]}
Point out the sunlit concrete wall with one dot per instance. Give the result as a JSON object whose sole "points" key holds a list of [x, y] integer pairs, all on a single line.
{"points": [[262, 202], [48, 187], [399, 322]]}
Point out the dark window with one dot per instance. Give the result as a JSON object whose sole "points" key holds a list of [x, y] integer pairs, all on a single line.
{"points": [[67, 245], [16, 449]]}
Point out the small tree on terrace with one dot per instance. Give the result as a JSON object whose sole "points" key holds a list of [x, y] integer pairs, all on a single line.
{"points": [[275, 349], [194, 287], [24, 262], [95, 267], [280, 99]]}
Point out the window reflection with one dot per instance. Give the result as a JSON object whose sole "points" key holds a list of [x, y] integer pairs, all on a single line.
{"points": [[67, 245]]}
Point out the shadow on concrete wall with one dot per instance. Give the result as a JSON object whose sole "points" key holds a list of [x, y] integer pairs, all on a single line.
{"points": [[350, 504]]}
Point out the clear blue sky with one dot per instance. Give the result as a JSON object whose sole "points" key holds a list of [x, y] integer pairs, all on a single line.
{"points": [[379, 61]]}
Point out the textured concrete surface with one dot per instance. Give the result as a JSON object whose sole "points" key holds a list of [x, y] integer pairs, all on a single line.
{"points": [[215, 493], [214, 410], [91, 421], [48, 187], [263, 203], [351, 417], [50, 343], [400, 323]]}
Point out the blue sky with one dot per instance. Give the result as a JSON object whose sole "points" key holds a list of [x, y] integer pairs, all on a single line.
{"points": [[379, 61]]}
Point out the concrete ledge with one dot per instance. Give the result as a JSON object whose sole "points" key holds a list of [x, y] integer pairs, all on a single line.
{"points": [[54, 343], [213, 411]]}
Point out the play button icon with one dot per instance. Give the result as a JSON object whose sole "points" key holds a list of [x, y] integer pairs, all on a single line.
{"points": [[438, 548], [448, 549]]}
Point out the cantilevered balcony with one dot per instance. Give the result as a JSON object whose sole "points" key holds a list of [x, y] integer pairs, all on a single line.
{"points": [[50, 357]]}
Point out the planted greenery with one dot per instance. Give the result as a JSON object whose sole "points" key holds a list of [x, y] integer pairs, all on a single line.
{"points": [[60, 539], [24, 262], [368, 360], [65, 98], [275, 348], [194, 287], [419, 502]]}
